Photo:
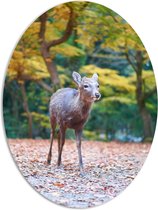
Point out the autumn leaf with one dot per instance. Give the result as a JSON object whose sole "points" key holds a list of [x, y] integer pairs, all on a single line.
{"points": [[58, 184], [64, 185]]}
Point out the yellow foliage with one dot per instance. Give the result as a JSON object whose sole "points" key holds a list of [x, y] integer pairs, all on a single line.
{"points": [[33, 29], [60, 15], [36, 68], [66, 50], [23, 68], [51, 32], [60, 26], [120, 99], [148, 78], [17, 55], [60, 12], [109, 77], [63, 78]]}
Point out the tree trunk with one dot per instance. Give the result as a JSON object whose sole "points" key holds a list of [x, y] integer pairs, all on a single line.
{"points": [[45, 46], [26, 109], [147, 124], [50, 66], [140, 97], [145, 115]]}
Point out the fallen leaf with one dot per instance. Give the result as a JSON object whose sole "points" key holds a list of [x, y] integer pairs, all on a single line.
{"points": [[58, 184]]}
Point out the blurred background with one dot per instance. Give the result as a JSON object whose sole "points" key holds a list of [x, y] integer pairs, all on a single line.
{"points": [[88, 38]]}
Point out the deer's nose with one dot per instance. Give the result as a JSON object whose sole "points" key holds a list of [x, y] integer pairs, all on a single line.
{"points": [[97, 95]]}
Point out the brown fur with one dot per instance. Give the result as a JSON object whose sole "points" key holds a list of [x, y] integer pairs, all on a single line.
{"points": [[70, 108]]}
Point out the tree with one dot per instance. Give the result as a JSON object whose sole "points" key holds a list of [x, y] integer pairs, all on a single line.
{"points": [[45, 46], [85, 37], [23, 68], [121, 37], [118, 99], [63, 18]]}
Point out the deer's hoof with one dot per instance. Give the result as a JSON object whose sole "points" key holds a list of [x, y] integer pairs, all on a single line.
{"points": [[82, 174], [60, 166], [48, 161]]}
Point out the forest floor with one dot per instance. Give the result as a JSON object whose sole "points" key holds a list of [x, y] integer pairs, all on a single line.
{"points": [[109, 168]]}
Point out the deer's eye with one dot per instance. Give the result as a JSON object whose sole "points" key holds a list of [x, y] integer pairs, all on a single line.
{"points": [[85, 86], [97, 86]]}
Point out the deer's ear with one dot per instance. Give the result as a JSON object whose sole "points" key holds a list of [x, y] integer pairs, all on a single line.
{"points": [[95, 76], [76, 77]]}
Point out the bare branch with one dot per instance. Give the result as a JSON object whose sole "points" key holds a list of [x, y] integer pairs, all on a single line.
{"points": [[43, 19], [67, 32], [130, 61]]}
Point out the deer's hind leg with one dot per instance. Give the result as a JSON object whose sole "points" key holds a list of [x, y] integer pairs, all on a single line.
{"points": [[58, 140], [53, 126], [61, 142]]}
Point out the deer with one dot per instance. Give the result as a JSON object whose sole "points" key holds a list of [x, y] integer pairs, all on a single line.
{"points": [[70, 108]]}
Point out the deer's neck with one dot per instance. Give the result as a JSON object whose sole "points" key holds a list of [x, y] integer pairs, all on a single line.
{"points": [[82, 105]]}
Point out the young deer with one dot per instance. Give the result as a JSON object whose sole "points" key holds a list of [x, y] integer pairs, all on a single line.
{"points": [[70, 108]]}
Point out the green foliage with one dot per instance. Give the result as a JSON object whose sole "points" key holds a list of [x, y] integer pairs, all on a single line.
{"points": [[41, 119], [101, 42], [90, 135]]}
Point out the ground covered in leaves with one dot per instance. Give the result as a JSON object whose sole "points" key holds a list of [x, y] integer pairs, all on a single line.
{"points": [[109, 169]]}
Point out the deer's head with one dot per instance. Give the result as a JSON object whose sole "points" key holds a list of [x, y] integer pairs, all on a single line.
{"points": [[88, 87]]}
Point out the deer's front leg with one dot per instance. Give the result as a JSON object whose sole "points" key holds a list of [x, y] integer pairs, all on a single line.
{"points": [[61, 142], [78, 143]]}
